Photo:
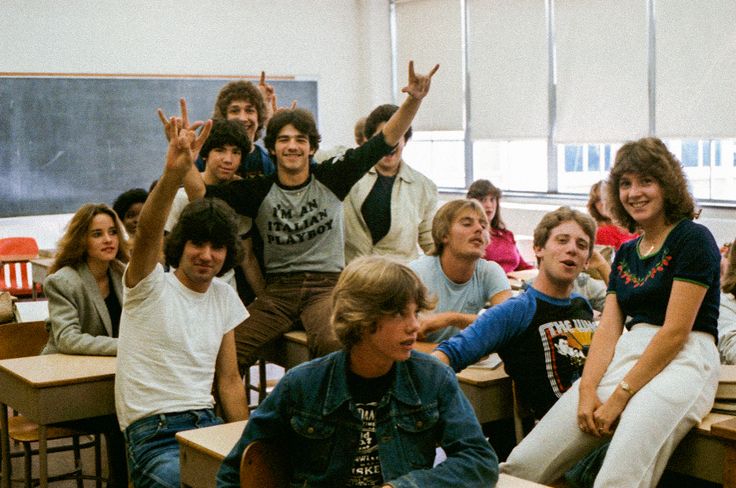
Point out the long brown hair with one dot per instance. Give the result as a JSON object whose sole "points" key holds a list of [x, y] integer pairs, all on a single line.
{"points": [[72, 247], [728, 282]]}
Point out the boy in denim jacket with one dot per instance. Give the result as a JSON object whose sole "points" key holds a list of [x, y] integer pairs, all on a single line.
{"points": [[372, 413]]}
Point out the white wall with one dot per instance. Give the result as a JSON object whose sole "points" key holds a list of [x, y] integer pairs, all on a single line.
{"points": [[344, 44]]}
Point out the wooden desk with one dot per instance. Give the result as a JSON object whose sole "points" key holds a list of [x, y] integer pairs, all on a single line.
{"points": [[727, 382], [701, 453], [53, 388], [725, 431], [202, 451], [40, 268]]}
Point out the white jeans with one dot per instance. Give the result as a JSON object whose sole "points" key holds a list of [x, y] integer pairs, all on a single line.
{"points": [[655, 420]]}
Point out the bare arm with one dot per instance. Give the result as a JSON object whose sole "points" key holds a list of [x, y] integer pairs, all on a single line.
{"points": [[431, 322], [184, 143], [229, 385], [251, 268], [598, 267], [417, 89], [599, 357], [682, 308]]}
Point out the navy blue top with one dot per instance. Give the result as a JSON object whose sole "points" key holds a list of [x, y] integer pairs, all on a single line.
{"points": [[642, 284]]}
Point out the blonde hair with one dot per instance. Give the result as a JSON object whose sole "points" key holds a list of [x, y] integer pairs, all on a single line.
{"points": [[369, 288], [446, 215], [72, 247]]}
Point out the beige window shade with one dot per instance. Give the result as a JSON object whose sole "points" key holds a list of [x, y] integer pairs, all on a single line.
{"points": [[602, 87], [696, 68], [429, 32], [507, 63]]}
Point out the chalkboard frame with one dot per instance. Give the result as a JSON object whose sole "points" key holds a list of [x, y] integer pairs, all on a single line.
{"points": [[69, 139]]}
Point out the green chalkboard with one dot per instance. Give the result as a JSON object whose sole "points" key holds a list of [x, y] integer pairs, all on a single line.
{"points": [[65, 141]]}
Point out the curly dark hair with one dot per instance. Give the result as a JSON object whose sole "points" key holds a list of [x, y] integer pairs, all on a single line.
{"points": [[378, 116], [205, 220], [301, 119], [127, 199], [650, 157], [226, 132], [478, 190], [240, 90]]}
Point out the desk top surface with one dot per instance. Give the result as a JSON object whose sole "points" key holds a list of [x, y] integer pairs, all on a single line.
{"points": [[59, 369], [216, 441]]}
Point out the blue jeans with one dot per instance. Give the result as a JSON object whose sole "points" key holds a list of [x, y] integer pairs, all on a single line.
{"points": [[153, 452]]}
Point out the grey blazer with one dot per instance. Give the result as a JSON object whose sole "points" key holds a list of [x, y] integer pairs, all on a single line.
{"points": [[79, 322]]}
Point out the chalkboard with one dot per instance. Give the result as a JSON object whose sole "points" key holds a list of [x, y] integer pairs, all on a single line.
{"points": [[66, 141]]}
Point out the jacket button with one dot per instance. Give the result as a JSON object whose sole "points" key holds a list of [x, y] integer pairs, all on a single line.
{"points": [[419, 424], [310, 430]]}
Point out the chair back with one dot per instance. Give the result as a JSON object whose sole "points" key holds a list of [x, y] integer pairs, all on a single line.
{"points": [[22, 339], [263, 466], [16, 275]]}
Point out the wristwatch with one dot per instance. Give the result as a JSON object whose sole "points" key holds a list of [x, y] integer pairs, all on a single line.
{"points": [[625, 387]]}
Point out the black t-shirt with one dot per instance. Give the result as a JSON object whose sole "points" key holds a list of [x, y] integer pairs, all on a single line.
{"points": [[376, 208], [113, 308], [367, 393]]}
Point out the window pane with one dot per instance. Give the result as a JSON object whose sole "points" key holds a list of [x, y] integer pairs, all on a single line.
{"points": [[594, 157], [573, 158], [512, 165], [690, 154], [706, 153], [607, 153], [439, 155]]}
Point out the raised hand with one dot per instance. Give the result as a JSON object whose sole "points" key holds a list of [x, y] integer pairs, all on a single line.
{"points": [[268, 93], [184, 142], [418, 85]]}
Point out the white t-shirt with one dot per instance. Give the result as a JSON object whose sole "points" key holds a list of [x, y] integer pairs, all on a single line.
{"points": [[469, 297], [169, 340]]}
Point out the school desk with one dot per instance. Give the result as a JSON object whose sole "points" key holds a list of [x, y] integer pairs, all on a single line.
{"points": [[53, 388], [201, 452]]}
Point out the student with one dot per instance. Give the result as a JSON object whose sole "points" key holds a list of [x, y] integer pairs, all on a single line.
{"points": [[176, 333], [84, 285], [298, 213], [608, 233], [128, 206], [223, 153], [389, 210], [645, 389], [373, 413], [253, 107], [727, 311], [84, 288], [502, 248], [543, 333], [455, 272]]}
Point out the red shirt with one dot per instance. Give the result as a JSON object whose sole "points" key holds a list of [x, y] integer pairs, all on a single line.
{"points": [[612, 235]]}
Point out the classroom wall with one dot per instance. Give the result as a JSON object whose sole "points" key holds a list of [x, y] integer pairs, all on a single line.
{"points": [[343, 44]]}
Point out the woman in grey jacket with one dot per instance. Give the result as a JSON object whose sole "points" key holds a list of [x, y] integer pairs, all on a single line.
{"points": [[84, 286]]}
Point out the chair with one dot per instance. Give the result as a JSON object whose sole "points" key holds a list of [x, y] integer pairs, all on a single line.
{"points": [[263, 466], [17, 273], [28, 339]]}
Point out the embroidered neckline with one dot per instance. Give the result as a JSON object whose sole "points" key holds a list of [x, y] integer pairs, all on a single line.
{"points": [[629, 277]]}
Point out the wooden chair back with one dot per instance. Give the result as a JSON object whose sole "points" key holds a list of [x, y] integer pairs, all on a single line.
{"points": [[263, 466], [22, 339]]}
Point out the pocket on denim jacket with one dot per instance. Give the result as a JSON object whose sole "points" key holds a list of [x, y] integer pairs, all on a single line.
{"points": [[418, 435], [317, 440]]}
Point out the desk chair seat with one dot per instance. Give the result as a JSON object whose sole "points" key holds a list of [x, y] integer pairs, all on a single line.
{"points": [[28, 339]]}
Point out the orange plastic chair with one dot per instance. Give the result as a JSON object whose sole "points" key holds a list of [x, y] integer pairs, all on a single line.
{"points": [[16, 276]]}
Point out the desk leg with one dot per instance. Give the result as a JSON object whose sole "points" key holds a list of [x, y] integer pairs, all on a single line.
{"points": [[5, 445], [729, 467], [43, 465]]}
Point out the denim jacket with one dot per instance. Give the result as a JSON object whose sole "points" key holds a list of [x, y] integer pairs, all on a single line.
{"points": [[311, 415]]}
